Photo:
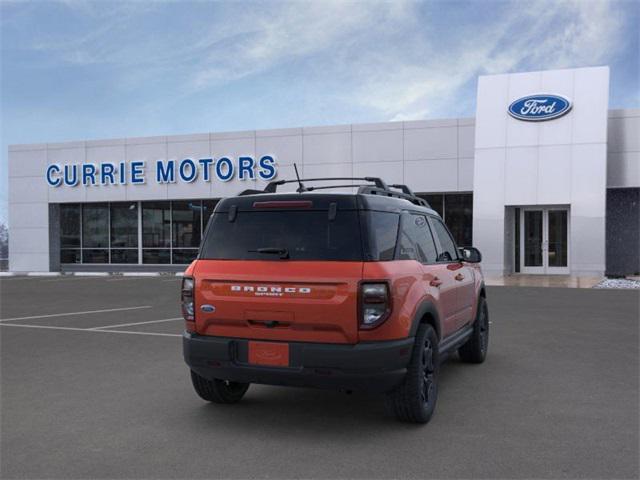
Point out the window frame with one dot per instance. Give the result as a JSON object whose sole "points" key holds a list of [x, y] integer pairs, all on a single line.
{"points": [[439, 248], [403, 218]]}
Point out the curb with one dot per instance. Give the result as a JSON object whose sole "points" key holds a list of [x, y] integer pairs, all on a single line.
{"points": [[92, 274]]}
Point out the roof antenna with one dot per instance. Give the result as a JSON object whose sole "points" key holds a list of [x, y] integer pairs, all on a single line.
{"points": [[301, 187]]}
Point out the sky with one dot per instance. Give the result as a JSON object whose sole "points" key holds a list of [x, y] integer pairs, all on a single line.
{"points": [[76, 70]]}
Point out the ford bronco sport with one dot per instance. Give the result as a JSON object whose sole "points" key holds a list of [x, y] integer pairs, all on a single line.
{"points": [[353, 291]]}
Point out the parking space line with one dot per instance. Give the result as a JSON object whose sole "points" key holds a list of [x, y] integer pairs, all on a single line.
{"points": [[136, 323], [74, 329], [68, 278], [75, 313], [126, 279]]}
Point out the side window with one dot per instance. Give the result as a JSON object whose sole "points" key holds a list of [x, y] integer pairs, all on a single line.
{"points": [[384, 233], [416, 242], [449, 251]]}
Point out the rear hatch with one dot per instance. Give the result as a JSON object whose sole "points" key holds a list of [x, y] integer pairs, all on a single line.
{"points": [[281, 267]]}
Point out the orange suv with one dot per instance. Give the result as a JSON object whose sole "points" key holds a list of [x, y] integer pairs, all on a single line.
{"points": [[352, 291]]}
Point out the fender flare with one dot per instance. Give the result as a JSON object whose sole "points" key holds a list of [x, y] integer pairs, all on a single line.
{"points": [[426, 307], [482, 291]]}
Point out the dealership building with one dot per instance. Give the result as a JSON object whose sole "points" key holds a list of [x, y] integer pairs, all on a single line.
{"points": [[544, 180]]}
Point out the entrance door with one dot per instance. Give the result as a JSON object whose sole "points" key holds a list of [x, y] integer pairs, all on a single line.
{"points": [[544, 244]]}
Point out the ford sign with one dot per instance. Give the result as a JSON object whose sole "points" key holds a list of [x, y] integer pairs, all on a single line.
{"points": [[536, 108]]}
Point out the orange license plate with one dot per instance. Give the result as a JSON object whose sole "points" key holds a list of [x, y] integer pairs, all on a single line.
{"points": [[269, 354]]}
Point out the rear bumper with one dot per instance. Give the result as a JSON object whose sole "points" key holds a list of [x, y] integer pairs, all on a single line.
{"points": [[371, 367]]}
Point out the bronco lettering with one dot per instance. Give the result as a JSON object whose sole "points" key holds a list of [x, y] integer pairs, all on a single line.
{"points": [[269, 289]]}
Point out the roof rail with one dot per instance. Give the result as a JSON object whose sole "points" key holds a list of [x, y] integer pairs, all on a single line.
{"points": [[376, 186], [273, 186], [370, 190]]}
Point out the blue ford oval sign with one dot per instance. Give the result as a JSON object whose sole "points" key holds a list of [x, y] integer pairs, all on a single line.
{"points": [[536, 108]]}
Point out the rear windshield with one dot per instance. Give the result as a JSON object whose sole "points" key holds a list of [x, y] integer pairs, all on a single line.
{"points": [[274, 235]]}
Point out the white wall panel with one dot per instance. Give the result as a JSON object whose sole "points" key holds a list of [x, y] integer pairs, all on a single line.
{"points": [[491, 122], [591, 104], [623, 169], [431, 143], [488, 184], [588, 180], [327, 148], [554, 175], [377, 146], [329, 170], [465, 174], [27, 163], [29, 262], [29, 240], [28, 189], [432, 175], [466, 141], [390, 172], [28, 215], [624, 134], [587, 245], [287, 149], [521, 176]]}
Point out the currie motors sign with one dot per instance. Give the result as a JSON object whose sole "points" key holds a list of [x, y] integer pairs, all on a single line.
{"points": [[540, 107], [187, 170]]}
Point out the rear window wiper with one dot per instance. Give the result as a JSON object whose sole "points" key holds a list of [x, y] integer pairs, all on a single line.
{"points": [[283, 252]]}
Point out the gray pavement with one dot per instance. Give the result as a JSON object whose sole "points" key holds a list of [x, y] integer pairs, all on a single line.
{"points": [[556, 398]]}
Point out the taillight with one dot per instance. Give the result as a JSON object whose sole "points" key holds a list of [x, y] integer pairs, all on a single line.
{"points": [[187, 299], [375, 304]]}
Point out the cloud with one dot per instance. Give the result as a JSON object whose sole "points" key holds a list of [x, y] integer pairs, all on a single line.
{"points": [[525, 36], [393, 58], [294, 31]]}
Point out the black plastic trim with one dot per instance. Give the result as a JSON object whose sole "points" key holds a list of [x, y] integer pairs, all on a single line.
{"points": [[367, 366]]}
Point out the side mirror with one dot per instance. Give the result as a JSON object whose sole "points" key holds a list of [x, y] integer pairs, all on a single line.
{"points": [[470, 254]]}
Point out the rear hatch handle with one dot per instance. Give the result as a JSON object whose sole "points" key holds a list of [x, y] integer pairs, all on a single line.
{"points": [[283, 252]]}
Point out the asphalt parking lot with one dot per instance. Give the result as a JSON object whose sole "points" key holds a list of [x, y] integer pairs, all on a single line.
{"points": [[94, 386]]}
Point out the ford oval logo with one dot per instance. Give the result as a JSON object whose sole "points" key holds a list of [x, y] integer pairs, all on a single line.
{"points": [[536, 108]]}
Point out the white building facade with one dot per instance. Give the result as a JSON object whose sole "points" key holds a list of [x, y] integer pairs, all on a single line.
{"points": [[545, 179]]}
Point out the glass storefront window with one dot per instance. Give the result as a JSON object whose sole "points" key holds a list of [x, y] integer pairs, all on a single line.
{"points": [[95, 225], [458, 215], [208, 206], [108, 232], [91, 255], [456, 209], [186, 218], [184, 255], [156, 224], [69, 226], [68, 255], [127, 255], [436, 200], [124, 225], [156, 255]]}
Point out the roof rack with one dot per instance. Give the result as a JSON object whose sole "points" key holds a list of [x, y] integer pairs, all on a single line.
{"points": [[376, 186]]}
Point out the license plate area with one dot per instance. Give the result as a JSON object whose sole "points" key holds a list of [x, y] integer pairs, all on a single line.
{"points": [[269, 354]]}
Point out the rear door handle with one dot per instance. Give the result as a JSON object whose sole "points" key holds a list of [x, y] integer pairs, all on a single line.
{"points": [[436, 282], [459, 277]]}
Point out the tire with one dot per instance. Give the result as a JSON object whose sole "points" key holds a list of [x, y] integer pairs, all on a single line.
{"points": [[475, 349], [415, 399], [218, 391]]}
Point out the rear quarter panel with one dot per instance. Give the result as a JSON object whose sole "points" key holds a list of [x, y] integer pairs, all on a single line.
{"points": [[408, 283]]}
